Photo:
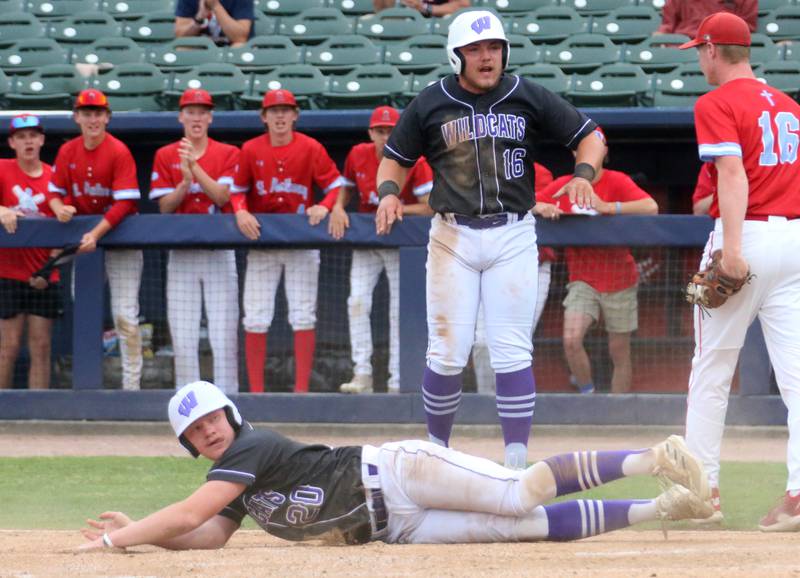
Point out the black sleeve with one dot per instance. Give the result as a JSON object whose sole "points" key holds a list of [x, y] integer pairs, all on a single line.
{"points": [[406, 141], [234, 511], [559, 119], [245, 459]]}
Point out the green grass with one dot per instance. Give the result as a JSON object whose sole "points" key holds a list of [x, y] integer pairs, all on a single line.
{"points": [[61, 492]]}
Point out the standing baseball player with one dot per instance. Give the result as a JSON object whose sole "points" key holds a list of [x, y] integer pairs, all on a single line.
{"points": [[360, 172], [410, 492], [479, 129], [193, 176], [23, 189], [95, 174], [750, 132], [277, 170]]}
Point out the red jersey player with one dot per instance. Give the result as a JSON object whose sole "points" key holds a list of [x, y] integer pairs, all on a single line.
{"points": [[704, 189], [23, 188], [277, 170], [193, 176], [602, 279], [750, 132], [95, 174], [360, 172]]}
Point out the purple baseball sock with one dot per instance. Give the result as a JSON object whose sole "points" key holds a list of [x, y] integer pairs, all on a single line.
{"points": [[583, 518], [583, 470], [441, 395], [516, 398]]}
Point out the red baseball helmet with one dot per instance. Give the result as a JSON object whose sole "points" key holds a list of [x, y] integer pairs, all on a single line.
{"points": [[196, 96], [384, 116], [279, 97], [91, 98]]}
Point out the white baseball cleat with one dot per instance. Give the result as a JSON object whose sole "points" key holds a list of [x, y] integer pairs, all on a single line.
{"points": [[361, 383], [676, 464], [679, 503]]}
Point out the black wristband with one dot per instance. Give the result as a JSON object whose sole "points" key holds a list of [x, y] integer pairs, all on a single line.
{"points": [[584, 171], [387, 188], [427, 10]]}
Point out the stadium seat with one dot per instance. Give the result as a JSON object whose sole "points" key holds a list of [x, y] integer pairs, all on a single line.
{"points": [[108, 50], [548, 75], [11, 6], [19, 26], [658, 5], [506, 6], [354, 7], [781, 74], [264, 53], [54, 9], [582, 53], [392, 25], [286, 7], [264, 25], [225, 82], [767, 6], [550, 25], [367, 86], [618, 84], [681, 87], [314, 25], [660, 53], [84, 28], [305, 81], [420, 81], [781, 24], [343, 53], [51, 87], [417, 54], [598, 7], [132, 86], [628, 24], [183, 53], [763, 49], [152, 27], [133, 9], [26, 56], [523, 51]]}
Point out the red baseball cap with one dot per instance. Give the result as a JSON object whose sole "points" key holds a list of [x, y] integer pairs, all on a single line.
{"points": [[196, 96], [23, 121], [279, 97], [92, 98], [384, 116], [721, 28]]}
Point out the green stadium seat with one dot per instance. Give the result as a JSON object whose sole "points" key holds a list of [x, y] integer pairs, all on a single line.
{"points": [[598, 7], [84, 28], [343, 53], [659, 53], [354, 7], [183, 53], [152, 27], [264, 25], [108, 50], [781, 74], [5, 86], [11, 6], [506, 6], [306, 82], [287, 7], [681, 87], [26, 56], [420, 81], [55, 9], [763, 49], [781, 24], [367, 86], [19, 26], [417, 54], [548, 75], [51, 87], [132, 86], [582, 53], [133, 9], [225, 82], [314, 25], [619, 84], [767, 6], [550, 25], [264, 53], [392, 25], [523, 51], [658, 5], [628, 24]]}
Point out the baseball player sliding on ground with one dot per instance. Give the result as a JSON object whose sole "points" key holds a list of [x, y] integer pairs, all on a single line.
{"points": [[478, 129], [750, 133], [193, 176], [409, 492], [360, 172], [95, 174]]}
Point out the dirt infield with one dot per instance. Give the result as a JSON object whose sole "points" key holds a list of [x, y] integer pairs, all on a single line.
{"points": [[253, 553]]}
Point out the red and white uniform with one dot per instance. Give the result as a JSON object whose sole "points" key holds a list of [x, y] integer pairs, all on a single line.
{"points": [[196, 277], [747, 119], [28, 195], [103, 181], [706, 183], [360, 173]]}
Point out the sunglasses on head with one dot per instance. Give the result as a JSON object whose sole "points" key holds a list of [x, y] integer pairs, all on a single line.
{"points": [[28, 121]]}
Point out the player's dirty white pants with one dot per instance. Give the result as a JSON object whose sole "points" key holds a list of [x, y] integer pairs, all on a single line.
{"points": [[364, 274], [771, 248], [195, 278], [264, 270], [124, 272], [436, 495], [496, 267]]}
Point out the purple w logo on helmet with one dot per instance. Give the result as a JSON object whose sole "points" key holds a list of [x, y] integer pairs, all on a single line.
{"points": [[188, 403], [481, 24]]}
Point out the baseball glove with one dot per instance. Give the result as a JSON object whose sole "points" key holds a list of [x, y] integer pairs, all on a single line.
{"points": [[41, 279], [710, 288]]}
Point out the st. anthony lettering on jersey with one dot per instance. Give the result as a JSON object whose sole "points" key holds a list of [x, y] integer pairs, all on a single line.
{"points": [[509, 126]]}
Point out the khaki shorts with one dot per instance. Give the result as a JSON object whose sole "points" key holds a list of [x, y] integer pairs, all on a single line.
{"points": [[620, 309]]}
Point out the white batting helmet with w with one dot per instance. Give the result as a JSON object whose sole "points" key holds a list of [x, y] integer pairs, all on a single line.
{"points": [[473, 26]]}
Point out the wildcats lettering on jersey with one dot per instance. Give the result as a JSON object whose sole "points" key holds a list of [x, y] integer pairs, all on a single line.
{"points": [[509, 126]]}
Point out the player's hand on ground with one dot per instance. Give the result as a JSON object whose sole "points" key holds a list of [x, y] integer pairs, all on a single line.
{"points": [[8, 218], [248, 225], [580, 193], [338, 222], [65, 213], [390, 210], [108, 522], [316, 214], [734, 266], [547, 211], [88, 243]]}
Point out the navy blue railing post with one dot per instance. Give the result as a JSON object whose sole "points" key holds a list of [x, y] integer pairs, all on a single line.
{"points": [[413, 323], [87, 324]]}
